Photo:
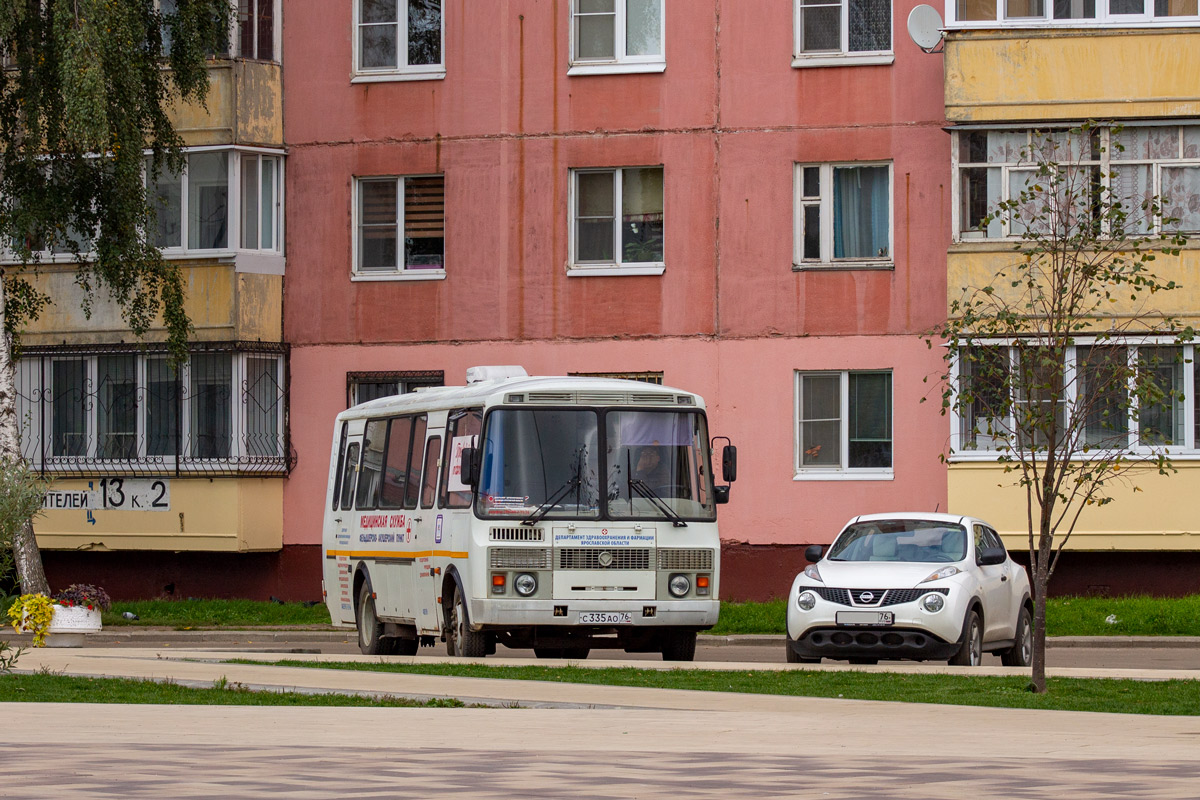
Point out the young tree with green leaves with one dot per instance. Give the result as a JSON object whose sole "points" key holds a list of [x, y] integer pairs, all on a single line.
{"points": [[84, 114], [1059, 364]]}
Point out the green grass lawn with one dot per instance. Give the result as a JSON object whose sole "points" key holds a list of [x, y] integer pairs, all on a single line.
{"points": [[1065, 694], [1070, 616], [50, 688]]}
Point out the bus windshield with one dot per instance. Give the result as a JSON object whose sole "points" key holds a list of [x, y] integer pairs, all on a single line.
{"points": [[545, 463]]}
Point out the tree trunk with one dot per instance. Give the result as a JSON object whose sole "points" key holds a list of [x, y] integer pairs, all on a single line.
{"points": [[1038, 672], [27, 557]]}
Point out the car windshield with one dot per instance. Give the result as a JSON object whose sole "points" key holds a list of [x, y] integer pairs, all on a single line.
{"points": [[901, 540]]}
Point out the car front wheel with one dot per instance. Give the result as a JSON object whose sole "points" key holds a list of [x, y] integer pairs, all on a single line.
{"points": [[970, 650]]}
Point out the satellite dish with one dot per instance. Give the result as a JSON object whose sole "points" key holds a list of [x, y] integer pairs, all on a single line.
{"points": [[925, 28]]}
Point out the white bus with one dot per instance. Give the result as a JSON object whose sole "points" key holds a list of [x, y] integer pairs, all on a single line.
{"points": [[553, 513]]}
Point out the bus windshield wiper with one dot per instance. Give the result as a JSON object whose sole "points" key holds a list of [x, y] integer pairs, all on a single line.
{"points": [[549, 503], [645, 491]]}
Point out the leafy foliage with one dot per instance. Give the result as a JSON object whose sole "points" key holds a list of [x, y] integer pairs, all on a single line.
{"points": [[84, 594], [85, 96], [32, 613], [1083, 275]]}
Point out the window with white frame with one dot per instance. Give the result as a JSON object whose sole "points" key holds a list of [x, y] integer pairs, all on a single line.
{"points": [[401, 225], [192, 209], [617, 219], [610, 36], [399, 40], [1025, 13], [842, 31], [843, 215], [844, 423], [1094, 399], [78, 409], [1133, 163]]}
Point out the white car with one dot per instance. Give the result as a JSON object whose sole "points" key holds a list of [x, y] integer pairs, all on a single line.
{"points": [[911, 586]]}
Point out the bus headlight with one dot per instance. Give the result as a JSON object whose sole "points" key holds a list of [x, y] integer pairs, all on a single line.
{"points": [[525, 584], [679, 585]]}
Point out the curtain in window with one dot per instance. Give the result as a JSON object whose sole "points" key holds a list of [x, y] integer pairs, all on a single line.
{"points": [[820, 26], [975, 10], [643, 28], [642, 215], [208, 200], [377, 225], [378, 31], [1181, 188], [210, 404], [262, 407], [870, 25], [860, 212], [162, 408], [250, 207], [116, 411], [1161, 423], [1175, 8], [595, 219], [165, 195], [425, 222], [1102, 398], [69, 388], [1133, 186], [595, 29]]}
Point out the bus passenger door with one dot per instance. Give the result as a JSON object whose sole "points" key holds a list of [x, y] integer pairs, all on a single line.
{"points": [[340, 533], [427, 536]]}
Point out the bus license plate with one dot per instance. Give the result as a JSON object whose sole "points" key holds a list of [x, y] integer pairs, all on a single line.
{"points": [[865, 618], [605, 617]]}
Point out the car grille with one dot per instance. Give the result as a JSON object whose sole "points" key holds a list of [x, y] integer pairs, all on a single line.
{"points": [[595, 558], [685, 559], [518, 558], [880, 597]]}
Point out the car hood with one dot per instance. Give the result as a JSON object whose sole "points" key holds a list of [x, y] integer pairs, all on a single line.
{"points": [[876, 574]]}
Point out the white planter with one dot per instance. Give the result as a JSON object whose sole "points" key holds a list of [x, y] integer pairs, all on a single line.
{"points": [[71, 624]]}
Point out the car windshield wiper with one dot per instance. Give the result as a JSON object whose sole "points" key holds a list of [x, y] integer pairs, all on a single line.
{"points": [[648, 493], [549, 503]]}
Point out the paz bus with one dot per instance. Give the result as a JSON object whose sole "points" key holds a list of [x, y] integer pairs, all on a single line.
{"points": [[562, 514]]}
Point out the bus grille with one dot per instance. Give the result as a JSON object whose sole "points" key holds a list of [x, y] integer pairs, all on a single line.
{"points": [[518, 558], [517, 535], [595, 558], [686, 559]]}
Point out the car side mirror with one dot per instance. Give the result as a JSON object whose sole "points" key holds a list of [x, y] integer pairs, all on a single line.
{"points": [[813, 552], [470, 466], [729, 463], [990, 556]]}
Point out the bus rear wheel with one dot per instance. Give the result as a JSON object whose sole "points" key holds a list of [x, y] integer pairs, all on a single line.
{"points": [[460, 639]]}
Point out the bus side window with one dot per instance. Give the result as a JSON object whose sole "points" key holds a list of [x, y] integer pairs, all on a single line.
{"points": [[461, 423], [337, 475], [372, 464], [348, 475], [412, 486], [395, 474], [430, 476]]}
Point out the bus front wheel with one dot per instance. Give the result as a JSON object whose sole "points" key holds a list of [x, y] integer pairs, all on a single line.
{"points": [[679, 646], [370, 629], [460, 639]]}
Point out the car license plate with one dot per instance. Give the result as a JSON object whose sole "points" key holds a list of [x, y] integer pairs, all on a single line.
{"points": [[865, 618], [605, 617]]}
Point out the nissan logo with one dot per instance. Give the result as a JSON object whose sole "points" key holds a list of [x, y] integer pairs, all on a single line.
{"points": [[866, 597]]}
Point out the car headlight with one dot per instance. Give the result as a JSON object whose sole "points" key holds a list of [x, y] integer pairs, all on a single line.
{"points": [[811, 571], [525, 584], [806, 601], [944, 572], [679, 585], [933, 602]]}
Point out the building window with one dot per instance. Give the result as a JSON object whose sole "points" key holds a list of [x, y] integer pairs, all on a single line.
{"points": [[1024, 13], [1095, 397], [221, 411], [613, 36], [256, 29], [1134, 163], [844, 423], [617, 220], [655, 378], [401, 227], [399, 40], [843, 215], [192, 208], [364, 386], [847, 32]]}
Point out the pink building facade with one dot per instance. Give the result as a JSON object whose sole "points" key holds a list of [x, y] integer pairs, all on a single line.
{"points": [[742, 199]]}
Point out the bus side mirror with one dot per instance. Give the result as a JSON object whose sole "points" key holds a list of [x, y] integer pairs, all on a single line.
{"points": [[721, 494], [470, 466], [729, 463]]}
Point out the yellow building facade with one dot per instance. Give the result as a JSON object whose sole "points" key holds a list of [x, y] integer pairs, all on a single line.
{"points": [[1133, 66], [146, 458]]}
